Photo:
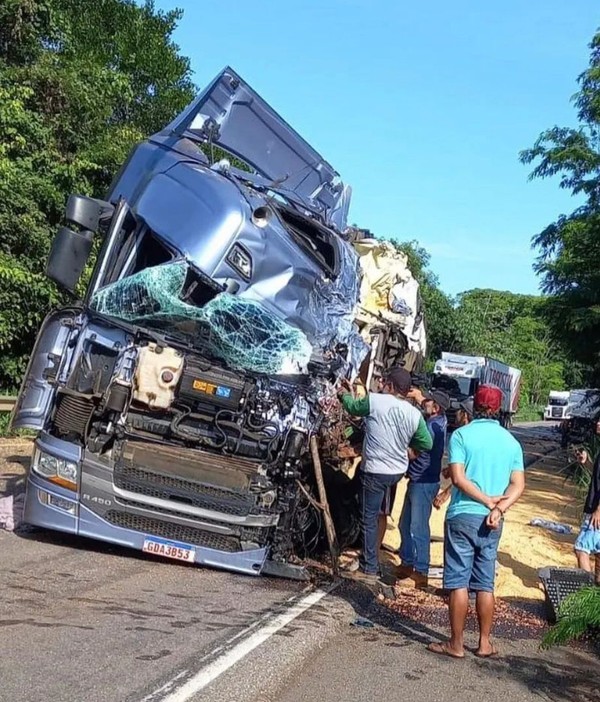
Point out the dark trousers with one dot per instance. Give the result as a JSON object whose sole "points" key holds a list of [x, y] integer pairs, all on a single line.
{"points": [[376, 497]]}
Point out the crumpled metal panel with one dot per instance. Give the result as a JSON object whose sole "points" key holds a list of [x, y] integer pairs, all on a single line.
{"points": [[242, 332], [230, 114], [202, 214], [332, 303]]}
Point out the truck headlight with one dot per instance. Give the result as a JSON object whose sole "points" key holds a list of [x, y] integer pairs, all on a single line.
{"points": [[56, 470]]}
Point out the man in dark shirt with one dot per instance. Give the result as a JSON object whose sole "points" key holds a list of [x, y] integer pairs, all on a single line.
{"points": [[588, 541], [423, 484], [464, 415]]}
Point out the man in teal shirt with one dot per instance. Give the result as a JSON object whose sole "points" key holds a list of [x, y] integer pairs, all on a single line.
{"points": [[392, 426], [486, 468]]}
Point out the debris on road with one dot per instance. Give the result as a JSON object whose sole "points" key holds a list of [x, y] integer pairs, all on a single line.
{"points": [[11, 511], [556, 527], [522, 620], [363, 622]]}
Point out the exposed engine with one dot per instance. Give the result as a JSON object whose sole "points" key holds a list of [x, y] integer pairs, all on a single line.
{"points": [[182, 428]]}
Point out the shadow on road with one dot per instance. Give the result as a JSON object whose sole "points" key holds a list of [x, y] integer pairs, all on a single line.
{"points": [[362, 600], [572, 679], [560, 675]]}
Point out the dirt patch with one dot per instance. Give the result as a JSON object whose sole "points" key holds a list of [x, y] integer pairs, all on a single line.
{"points": [[15, 455], [523, 549]]}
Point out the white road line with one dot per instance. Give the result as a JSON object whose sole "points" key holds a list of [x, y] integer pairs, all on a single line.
{"points": [[233, 655]]}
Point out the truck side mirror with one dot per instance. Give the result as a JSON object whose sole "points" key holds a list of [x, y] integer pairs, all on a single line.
{"points": [[68, 256], [87, 212]]}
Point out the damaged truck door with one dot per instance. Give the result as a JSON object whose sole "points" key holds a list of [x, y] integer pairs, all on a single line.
{"points": [[175, 404]]}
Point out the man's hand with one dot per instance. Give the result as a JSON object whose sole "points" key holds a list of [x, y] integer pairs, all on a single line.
{"points": [[446, 473], [595, 519], [442, 497], [345, 386], [492, 502], [494, 518], [412, 454], [416, 395]]}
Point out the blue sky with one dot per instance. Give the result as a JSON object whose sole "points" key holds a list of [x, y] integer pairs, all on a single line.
{"points": [[421, 107]]}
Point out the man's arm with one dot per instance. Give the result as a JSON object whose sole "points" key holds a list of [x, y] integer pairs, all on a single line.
{"points": [[517, 480], [460, 481], [356, 406], [594, 496], [512, 493], [422, 439], [514, 490], [457, 457]]}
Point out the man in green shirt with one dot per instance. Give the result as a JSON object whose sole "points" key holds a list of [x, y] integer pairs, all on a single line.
{"points": [[392, 426]]}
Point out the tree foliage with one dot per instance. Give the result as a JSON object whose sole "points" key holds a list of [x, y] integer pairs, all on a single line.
{"points": [[569, 258], [579, 615], [513, 329], [80, 84], [439, 310]]}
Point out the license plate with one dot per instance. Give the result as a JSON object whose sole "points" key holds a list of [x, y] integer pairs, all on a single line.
{"points": [[169, 549]]}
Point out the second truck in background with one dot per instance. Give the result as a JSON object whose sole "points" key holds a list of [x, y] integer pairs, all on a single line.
{"points": [[460, 375]]}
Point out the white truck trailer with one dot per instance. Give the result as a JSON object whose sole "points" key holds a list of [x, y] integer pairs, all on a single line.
{"points": [[460, 375]]}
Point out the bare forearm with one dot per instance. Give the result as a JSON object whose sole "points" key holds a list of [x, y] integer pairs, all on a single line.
{"points": [[512, 493], [470, 489]]}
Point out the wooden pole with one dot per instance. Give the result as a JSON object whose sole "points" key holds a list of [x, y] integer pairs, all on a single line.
{"points": [[329, 527]]}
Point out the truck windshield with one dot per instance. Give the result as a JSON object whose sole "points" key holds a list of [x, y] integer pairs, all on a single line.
{"points": [[175, 298], [455, 387]]}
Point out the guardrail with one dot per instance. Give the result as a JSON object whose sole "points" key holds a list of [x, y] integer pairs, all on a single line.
{"points": [[7, 403]]}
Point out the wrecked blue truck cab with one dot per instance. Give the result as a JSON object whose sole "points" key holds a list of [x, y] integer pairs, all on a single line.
{"points": [[174, 403]]}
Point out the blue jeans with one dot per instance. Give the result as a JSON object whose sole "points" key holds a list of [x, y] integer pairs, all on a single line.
{"points": [[415, 534], [375, 498], [470, 550]]}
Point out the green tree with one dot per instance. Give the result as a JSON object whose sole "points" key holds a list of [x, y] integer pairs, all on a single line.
{"points": [[81, 81], [440, 315], [569, 259], [512, 328]]}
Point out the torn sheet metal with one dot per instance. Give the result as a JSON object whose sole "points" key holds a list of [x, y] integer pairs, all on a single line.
{"points": [[389, 291], [334, 304], [242, 332]]}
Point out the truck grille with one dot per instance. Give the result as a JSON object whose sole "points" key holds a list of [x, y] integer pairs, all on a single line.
{"points": [[172, 531], [557, 412], [189, 492]]}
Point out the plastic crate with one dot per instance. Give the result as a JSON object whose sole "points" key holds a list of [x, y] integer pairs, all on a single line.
{"points": [[559, 583]]}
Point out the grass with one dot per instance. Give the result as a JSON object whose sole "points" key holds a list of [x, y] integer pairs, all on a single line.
{"points": [[529, 413], [4, 431]]}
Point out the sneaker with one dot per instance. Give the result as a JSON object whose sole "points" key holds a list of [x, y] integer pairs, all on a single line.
{"points": [[415, 580]]}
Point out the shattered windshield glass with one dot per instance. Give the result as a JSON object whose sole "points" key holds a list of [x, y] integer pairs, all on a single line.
{"points": [[240, 332]]}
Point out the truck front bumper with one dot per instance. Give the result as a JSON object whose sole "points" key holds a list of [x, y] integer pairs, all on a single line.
{"points": [[51, 506]]}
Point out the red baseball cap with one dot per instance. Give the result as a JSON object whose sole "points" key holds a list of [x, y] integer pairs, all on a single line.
{"points": [[488, 397]]}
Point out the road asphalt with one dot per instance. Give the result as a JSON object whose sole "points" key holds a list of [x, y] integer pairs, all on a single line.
{"points": [[389, 661]]}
